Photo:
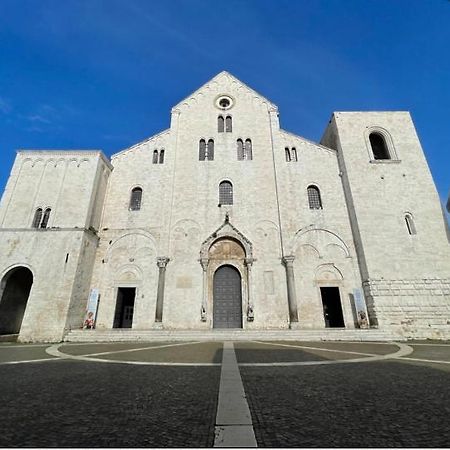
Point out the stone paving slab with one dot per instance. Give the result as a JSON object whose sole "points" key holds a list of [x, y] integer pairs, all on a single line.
{"points": [[363, 347], [78, 404], [382, 404], [23, 353], [199, 353], [431, 353], [260, 353], [84, 349]]}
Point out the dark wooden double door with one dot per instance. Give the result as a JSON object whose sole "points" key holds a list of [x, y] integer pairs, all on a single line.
{"points": [[227, 298]]}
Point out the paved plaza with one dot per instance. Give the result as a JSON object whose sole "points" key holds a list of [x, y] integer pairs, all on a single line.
{"points": [[245, 394]]}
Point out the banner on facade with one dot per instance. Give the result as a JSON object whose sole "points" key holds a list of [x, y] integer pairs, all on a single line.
{"points": [[360, 308], [91, 310]]}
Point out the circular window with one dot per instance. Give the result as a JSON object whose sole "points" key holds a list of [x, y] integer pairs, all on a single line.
{"points": [[224, 102]]}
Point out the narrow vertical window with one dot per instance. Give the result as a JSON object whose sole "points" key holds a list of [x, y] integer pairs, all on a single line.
{"points": [[225, 193], [379, 147], [220, 124], [161, 156], [315, 202], [228, 124], [202, 150], [46, 217], [294, 154], [287, 154], [410, 226], [248, 150], [37, 218], [210, 150], [240, 150], [155, 157], [136, 199]]}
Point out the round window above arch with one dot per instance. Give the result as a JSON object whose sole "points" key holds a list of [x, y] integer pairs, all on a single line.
{"points": [[224, 102]]}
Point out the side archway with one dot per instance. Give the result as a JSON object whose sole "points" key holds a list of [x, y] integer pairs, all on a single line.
{"points": [[14, 290]]}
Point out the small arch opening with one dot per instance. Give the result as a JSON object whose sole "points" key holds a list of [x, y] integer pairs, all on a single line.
{"points": [[220, 124], [15, 287], [314, 198], [136, 199], [379, 147], [225, 193]]}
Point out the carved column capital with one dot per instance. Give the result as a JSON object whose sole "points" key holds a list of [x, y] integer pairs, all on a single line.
{"points": [[162, 261], [288, 260], [249, 261], [204, 263]]}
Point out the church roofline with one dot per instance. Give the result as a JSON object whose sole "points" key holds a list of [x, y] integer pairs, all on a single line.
{"points": [[224, 72], [323, 147], [66, 152], [167, 130]]}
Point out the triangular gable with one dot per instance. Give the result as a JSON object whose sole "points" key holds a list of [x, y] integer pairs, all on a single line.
{"points": [[218, 77]]}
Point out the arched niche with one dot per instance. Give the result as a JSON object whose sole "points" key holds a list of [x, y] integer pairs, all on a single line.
{"points": [[15, 290]]}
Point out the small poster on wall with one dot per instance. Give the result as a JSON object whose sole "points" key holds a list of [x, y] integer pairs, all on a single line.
{"points": [[91, 310], [361, 309]]}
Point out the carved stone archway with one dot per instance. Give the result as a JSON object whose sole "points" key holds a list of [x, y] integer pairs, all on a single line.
{"points": [[226, 246]]}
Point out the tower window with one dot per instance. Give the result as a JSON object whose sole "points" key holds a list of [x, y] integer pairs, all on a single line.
{"points": [[220, 124], [315, 202], [136, 199], [287, 154], [294, 154], [202, 150], [37, 218], [210, 150], [155, 157], [379, 147], [225, 193], [248, 152], [45, 218], [240, 150], [161, 156], [410, 226], [228, 124]]}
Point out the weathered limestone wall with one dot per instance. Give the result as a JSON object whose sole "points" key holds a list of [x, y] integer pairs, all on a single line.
{"points": [[379, 193]]}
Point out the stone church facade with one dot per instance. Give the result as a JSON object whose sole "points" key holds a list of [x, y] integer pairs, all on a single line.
{"points": [[225, 220]]}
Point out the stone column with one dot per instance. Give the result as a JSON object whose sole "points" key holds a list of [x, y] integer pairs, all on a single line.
{"points": [[203, 311], [250, 306], [162, 263], [292, 298]]}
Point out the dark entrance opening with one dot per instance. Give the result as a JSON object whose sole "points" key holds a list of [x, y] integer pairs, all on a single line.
{"points": [[15, 287], [123, 317], [227, 299], [332, 308]]}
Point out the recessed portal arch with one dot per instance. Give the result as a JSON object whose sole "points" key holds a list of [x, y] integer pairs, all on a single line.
{"points": [[14, 292]]}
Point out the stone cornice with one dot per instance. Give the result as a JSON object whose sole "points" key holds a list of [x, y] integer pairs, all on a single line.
{"points": [[66, 153]]}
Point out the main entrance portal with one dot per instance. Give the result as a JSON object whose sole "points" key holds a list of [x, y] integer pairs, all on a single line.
{"points": [[227, 298]]}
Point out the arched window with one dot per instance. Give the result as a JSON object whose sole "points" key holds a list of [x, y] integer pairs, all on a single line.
{"points": [[155, 157], [46, 217], [161, 156], [240, 150], [315, 202], [210, 153], [294, 154], [248, 150], [220, 124], [37, 218], [410, 226], [287, 153], [379, 147], [202, 150], [228, 124], [225, 193], [136, 199]]}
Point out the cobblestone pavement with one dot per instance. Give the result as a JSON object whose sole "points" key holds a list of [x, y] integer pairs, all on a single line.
{"points": [[75, 403]]}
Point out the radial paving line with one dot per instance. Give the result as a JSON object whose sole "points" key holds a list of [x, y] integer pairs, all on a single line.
{"points": [[233, 421], [54, 351]]}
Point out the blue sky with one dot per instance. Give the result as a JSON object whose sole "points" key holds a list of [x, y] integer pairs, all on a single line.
{"points": [[104, 74]]}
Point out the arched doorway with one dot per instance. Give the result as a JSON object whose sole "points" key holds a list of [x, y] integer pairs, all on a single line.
{"points": [[227, 298], [15, 290]]}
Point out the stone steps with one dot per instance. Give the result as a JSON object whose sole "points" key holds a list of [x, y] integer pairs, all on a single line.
{"points": [[127, 335]]}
